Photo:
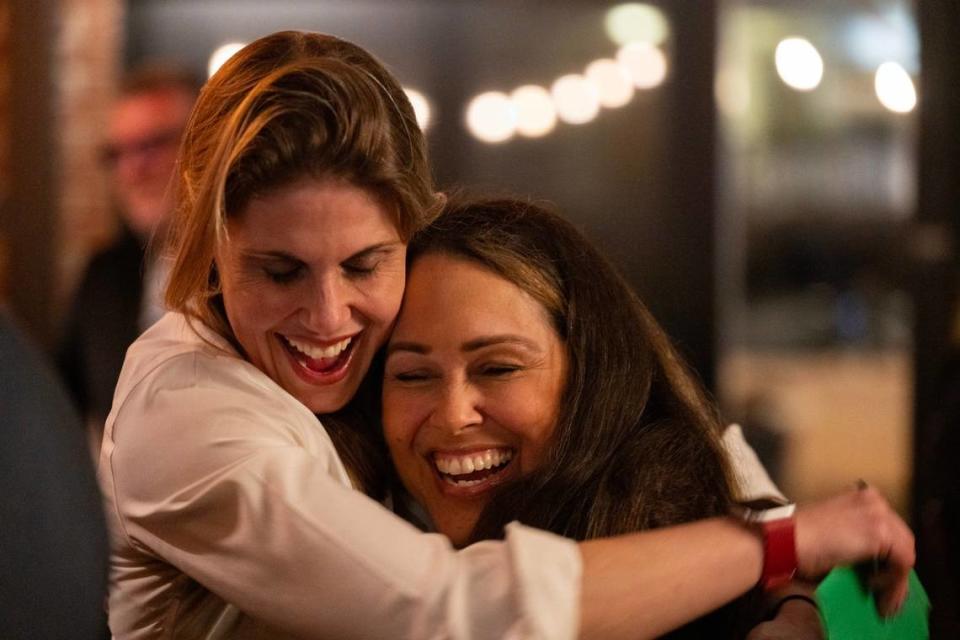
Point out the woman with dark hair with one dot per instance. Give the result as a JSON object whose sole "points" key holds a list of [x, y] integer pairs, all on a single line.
{"points": [[634, 444], [235, 512], [526, 381]]}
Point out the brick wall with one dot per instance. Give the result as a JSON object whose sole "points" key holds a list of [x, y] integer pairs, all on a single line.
{"points": [[59, 65], [88, 67], [4, 137]]}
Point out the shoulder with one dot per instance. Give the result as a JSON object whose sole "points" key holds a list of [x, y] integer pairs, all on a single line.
{"points": [[185, 409], [178, 367], [752, 480]]}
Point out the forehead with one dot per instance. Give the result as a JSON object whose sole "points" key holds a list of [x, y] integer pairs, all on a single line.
{"points": [[311, 217], [149, 111], [450, 293]]}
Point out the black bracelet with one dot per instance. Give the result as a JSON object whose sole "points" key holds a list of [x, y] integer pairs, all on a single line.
{"points": [[785, 599]]}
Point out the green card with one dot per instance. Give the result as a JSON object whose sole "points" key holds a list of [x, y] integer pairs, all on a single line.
{"points": [[849, 613]]}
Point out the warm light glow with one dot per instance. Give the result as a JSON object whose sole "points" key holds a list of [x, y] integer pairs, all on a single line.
{"points": [[799, 64], [636, 22], [491, 117], [421, 107], [612, 80], [732, 91], [221, 55], [536, 115], [576, 99], [895, 88], [645, 63]]}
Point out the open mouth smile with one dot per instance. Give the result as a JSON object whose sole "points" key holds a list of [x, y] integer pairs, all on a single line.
{"points": [[472, 472], [319, 364]]}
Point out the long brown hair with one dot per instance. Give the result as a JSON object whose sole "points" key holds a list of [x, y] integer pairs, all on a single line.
{"points": [[637, 442]]}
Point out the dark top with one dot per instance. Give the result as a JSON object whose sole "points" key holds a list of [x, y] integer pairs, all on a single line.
{"points": [[103, 322], [53, 544]]}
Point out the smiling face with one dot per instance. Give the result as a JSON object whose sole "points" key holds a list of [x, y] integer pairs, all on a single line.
{"points": [[473, 382], [312, 278]]}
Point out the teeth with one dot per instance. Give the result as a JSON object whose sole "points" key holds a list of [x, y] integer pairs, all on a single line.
{"points": [[465, 483], [315, 352], [461, 465]]}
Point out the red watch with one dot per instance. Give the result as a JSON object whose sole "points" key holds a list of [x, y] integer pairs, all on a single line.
{"points": [[779, 543]]}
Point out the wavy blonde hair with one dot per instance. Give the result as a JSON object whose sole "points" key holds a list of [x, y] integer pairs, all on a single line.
{"points": [[289, 105]]}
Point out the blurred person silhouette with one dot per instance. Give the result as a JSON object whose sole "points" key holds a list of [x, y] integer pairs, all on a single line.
{"points": [[53, 543], [4, 270], [119, 295], [940, 511]]}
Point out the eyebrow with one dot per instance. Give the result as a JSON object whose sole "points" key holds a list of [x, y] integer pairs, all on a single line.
{"points": [[470, 345], [283, 255]]}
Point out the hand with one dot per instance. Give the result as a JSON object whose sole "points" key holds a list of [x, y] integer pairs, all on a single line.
{"points": [[857, 526], [795, 620]]}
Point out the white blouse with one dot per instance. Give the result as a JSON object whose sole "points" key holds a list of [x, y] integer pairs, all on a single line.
{"points": [[233, 517]]}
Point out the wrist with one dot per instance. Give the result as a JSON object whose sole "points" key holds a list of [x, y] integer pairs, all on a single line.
{"points": [[777, 528]]}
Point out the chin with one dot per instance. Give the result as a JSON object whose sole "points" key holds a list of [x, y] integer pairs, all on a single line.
{"points": [[328, 402], [459, 530]]}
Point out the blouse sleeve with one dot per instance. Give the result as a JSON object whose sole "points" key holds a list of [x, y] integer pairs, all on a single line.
{"points": [[214, 482], [753, 481]]}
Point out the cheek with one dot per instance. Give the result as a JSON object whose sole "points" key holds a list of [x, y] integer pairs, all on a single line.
{"points": [[394, 429], [534, 447], [534, 423], [255, 309], [383, 299], [401, 413], [400, 432]]}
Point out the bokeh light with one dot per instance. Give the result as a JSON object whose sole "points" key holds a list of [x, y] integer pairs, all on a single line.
{"points": [[491, 117], [221, 54], [732, 91], [799, 64], [612, 80], [421, 107], [636, 22], [536, 114], [576, 99], [895, 88], [645, 63], [889, 33]]}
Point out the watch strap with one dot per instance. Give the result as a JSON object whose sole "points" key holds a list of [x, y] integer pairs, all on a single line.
{"points": [[779, 552], [778, 528]]}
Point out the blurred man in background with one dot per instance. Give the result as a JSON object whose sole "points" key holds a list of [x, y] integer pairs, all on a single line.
{"points": [[120, 294]]}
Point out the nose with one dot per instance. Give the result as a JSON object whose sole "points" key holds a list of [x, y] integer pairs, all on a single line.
{"points": [[458, 407], [328, 307]]}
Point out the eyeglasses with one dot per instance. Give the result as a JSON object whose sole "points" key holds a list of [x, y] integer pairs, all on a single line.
{"points": [[110, 154]]}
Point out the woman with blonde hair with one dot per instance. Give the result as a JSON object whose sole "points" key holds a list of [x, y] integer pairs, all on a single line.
{"points": [[235, 511]]}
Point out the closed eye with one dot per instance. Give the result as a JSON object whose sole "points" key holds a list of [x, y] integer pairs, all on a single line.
{"points": [[499, 370], [284, 275], [367, 262], [360, 269], [416, 375]]}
